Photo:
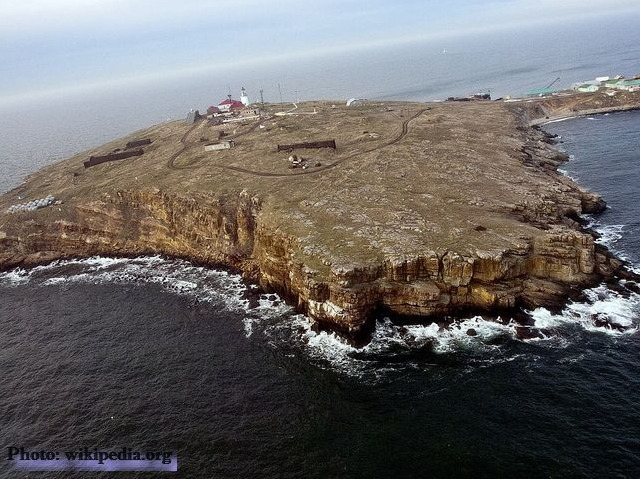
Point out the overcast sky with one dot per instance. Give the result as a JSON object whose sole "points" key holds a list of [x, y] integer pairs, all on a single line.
{"points": [[65, 44]]}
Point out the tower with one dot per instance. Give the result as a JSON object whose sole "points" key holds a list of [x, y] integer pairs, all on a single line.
{"points": [[243, 97]]}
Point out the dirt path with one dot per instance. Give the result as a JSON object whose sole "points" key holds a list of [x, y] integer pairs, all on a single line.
{"points": [[403, 133], [185, 145]]}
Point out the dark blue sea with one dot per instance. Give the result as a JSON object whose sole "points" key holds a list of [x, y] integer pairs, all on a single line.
{"points": [[158, 354]]}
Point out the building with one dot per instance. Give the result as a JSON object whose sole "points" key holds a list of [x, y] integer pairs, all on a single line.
{"points": [[230, 105], [244, 99], [615, 83], [587, 88], [355, 102], [192, 117], [622, 84], [213, 110], [585, 84], [221, 145]]}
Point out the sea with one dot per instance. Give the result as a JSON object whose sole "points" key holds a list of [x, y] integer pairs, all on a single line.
{"points": [[158, 354]]}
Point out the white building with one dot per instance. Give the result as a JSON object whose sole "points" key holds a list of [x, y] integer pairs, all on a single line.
{"points": [[222, 145], [244, 99]]}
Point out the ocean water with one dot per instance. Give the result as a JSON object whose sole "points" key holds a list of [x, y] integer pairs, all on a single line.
{"points": [[609, 166], [158, 354]]}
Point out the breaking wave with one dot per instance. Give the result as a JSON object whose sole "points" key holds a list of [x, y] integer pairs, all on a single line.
{"points": [[566, 173], [610, 235], [175, 276], [266, 317], [603, 311]]}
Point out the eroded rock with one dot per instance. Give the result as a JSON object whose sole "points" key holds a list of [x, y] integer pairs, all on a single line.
{"points": [[393, 228]]}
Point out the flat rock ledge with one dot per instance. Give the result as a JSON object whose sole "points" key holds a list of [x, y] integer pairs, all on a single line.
{"points": [[422, 210]]}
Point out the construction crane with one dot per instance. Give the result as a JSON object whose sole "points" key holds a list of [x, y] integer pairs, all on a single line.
{"points": [[553, 82]]}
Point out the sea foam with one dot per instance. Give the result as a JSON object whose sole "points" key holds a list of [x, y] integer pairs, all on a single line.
{"points": [[267, 316], [604, 311]]}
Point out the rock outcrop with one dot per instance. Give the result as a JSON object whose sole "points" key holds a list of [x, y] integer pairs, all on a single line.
{"points": [[466, 211]]}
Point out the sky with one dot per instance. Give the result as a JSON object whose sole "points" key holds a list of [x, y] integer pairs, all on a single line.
{"points": [[63, 45]]}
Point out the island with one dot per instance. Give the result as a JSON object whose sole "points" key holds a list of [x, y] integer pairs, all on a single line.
{"points": [[400, 208]]}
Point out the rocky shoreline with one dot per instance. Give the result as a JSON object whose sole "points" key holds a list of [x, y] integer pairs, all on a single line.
{"points": [[464, 211]]}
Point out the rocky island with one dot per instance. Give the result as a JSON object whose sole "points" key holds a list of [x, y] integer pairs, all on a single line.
{"points": [[419, 210]]}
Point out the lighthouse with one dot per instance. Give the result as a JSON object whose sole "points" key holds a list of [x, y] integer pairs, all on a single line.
{"points": [[243, 97]]}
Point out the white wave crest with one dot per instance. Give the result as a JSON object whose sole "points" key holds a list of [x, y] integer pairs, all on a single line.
{"points": [[269, 306], [15, 277], [609, 234], [176, 276], [605, 311], [566, 173], [389, 339], [472, 333]]}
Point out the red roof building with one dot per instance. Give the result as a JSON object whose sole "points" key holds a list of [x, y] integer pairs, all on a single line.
{"points": [[212, 110], [230, 105]]}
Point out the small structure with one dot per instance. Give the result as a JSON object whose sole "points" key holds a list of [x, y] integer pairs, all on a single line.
{"points": [[230, 105], [355, 101], [475, 97], [632, 85], [192, 117], [96, 160], [312, 144], [295, 161], [221, 145], [138, 143], [615, 83], [213, 110], [622, 84], [300, 162], [244, 99], [587, 88]]}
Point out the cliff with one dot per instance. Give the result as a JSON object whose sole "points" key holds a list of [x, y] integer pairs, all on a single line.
{"points": [[422, 210]]}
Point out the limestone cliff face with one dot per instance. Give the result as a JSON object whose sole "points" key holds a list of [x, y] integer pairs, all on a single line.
{"points": [[228, 231], [540, 274], [204, 229]]}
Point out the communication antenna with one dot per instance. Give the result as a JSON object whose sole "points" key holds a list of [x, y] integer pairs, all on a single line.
{"points": [[280, 90], [261, 97], [553, 82]]}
